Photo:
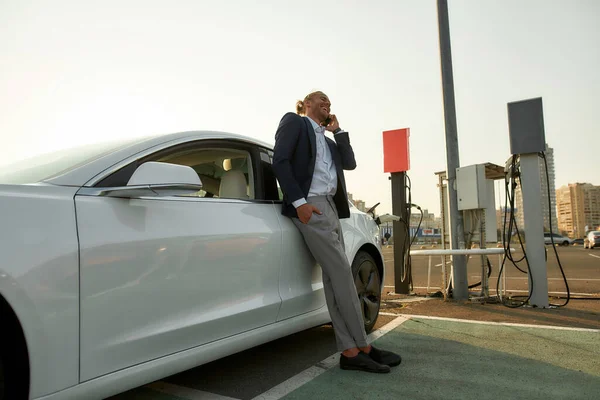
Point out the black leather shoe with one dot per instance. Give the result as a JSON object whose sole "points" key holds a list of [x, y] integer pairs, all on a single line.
{"points": [[385, 357], [362, 362]]}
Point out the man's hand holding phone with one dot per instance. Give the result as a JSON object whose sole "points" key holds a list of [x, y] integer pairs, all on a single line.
{"points": [[331, 123], [305, 212]]}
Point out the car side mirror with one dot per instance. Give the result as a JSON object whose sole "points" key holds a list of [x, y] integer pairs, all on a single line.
{"points": [[158, 179]]}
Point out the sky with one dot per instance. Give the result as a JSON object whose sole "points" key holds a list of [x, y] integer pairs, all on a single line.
{"points": [[77, 72]]}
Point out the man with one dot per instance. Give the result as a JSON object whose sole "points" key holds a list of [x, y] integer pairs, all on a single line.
{"points": [[310, 169]]}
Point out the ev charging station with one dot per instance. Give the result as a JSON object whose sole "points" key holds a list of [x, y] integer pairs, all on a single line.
{"points": [[476, 195], [396, 160], [474, 185], [527, 140], [476, 202]]}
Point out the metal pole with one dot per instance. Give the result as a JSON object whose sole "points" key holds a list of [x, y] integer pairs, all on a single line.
{"points": [[485, 289], [401, 275], [457, 239], [534, 229], [429, 276]]}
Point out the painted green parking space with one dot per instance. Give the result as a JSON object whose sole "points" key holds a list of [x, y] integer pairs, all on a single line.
{"points": [[460, 360]]}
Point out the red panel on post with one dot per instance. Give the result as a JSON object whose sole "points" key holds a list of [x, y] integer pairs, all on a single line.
{"points": [[396, 156]]}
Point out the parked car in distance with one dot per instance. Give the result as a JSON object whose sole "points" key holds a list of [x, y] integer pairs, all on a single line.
{"points": [[557, 239], [578, 241], [592, 240]]}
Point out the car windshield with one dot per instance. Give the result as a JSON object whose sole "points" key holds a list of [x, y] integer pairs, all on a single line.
{"points": [[45, 166]]}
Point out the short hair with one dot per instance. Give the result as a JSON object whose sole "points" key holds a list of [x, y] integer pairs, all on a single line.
{"points": [[300, 106]]}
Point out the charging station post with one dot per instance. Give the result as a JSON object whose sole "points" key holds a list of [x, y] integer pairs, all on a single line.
{"points": [[527, 140], [396, 160]]}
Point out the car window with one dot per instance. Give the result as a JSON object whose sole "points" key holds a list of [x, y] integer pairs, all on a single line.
{"points": [[272, 189], [225, 172]]}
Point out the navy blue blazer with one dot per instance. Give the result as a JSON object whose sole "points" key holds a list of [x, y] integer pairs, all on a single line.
{"points": [[294, 162]]}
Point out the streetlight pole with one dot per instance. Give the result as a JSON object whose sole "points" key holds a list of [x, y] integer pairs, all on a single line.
{"points": [[457, 239]]}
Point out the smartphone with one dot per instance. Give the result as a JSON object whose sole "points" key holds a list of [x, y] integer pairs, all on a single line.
{"points": [[327, 121]]}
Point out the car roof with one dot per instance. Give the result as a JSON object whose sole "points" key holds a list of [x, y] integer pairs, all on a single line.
{"points": [[80, 175]]}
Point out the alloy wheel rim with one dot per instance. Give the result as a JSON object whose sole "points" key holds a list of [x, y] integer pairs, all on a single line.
{"points": [[368, 288]]}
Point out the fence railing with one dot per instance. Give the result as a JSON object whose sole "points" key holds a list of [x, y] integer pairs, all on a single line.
{"points": [[463, 252]]}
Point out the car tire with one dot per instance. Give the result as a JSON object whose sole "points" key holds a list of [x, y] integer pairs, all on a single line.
{"points": [[565, 243], [14, 370], [14, 360], [368, 287]]}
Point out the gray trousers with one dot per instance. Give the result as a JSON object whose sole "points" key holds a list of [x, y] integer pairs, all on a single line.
{"points": [[323, 235]]}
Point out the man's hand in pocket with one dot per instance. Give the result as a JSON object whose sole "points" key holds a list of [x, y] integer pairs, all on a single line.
{"points": [[305, 212]]}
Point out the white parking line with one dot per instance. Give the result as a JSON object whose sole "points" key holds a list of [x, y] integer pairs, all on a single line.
{"points": [[550, 279], [527, 291], [561, 328], [311, 373], [185, 392], [515, 290], [593, 255], [415, 287]]}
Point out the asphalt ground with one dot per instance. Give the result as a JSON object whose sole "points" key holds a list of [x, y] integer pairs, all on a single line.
{"points": [[459, 360], [453, 359], [441, 359]]}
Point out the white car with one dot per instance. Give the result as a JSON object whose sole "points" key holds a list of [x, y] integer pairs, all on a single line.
{"points": [[124, 263], [558, 240], [592, 240]]}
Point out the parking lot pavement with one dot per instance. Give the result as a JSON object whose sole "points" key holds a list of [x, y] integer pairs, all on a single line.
{"points": [[442, 358], [244, 375], [465, 360], [450, 359]]}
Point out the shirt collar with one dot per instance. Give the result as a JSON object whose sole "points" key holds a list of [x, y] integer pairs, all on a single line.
{"points": [[316, 127]]}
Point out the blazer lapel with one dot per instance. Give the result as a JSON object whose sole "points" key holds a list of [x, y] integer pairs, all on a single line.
{"points": [[334, 153], [311, 137]]}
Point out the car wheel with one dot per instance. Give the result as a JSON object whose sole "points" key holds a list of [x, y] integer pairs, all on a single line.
{"points": [[368, 287], [14, 366], [565, 243], [13, 376]]}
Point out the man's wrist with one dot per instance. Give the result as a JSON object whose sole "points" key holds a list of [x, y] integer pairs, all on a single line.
{"points": [[299, 202], [338, 130]]}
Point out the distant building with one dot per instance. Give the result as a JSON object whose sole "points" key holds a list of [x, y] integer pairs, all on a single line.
{"points": [[360, 204], [429, 220], [503, 216], [429, 230], [545, 183], [578, 207]]}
